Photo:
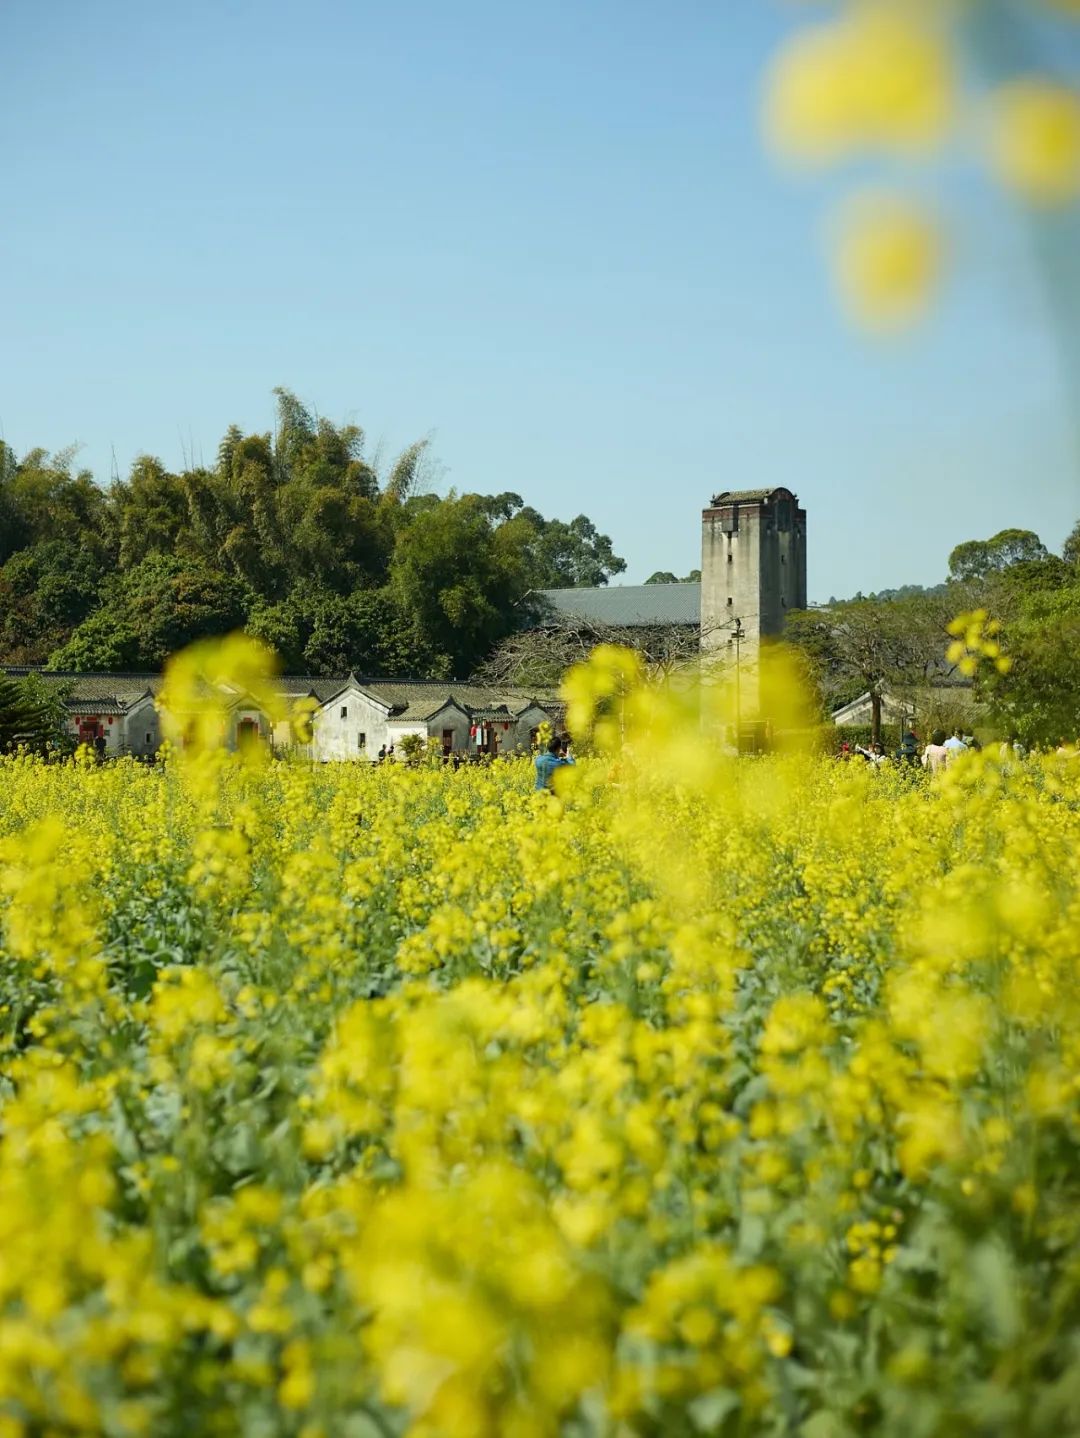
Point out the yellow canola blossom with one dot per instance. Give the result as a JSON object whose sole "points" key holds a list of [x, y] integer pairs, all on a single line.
{"points": [[975, 641], [900, 81], [887, 261], [1034, 139], [877, 78], [724, 1096]]}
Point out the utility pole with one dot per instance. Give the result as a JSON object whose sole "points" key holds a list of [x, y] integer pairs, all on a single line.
{"points": [[737, 635]]}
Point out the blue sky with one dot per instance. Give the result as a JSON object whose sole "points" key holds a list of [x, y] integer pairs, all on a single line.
{"points": [[547, 235]]}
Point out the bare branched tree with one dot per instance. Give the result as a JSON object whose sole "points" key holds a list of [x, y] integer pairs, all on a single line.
{"points": [[892, 646], [541, 656]]}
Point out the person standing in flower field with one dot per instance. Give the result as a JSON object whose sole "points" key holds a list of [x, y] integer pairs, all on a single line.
{"points": [[908, 752], [956, 745], [935, 755], [546, 763], [1011, 748], [872, 753]]}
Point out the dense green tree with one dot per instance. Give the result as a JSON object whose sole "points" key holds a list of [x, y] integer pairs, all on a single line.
{"points": [[977, 559], [45, 590], [14, 528], [665, 576], [1070, 550], [1007, 590], [319, 632], [25, 715], [318, 453], [55, 550], [369, 633], [573, 555], [281, 626], [49, 701], [42, 500], [151, 511], [1036, 597], [172, 601], [1033, 593], [340, 562], [154, 609], [105, 641], [344, 539], [1039, 698], [457, 582], [552, 553]]}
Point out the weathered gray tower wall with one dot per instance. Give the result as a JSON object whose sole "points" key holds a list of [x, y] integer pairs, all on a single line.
{"points": [[753, 568]]}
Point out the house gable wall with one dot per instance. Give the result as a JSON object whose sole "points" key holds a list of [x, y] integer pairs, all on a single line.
{"points": [[337, 733], [454, 718], [142, 728], [528, 720]]}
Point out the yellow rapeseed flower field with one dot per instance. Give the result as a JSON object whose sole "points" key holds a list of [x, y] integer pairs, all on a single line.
{"points": [[713, 1096]]}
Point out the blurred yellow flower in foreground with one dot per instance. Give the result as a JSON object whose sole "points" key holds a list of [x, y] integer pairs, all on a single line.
{"points": [[875, 79], [203, 680], [1035, 140], [888, 261], [596, 690], [975, 640]]}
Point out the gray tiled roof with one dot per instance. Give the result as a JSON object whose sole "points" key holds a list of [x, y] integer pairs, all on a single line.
{"points": [[412, 701], [119, 690], [418, 700], [628, 604], [747, 496], [95, 706], [296, 686]]}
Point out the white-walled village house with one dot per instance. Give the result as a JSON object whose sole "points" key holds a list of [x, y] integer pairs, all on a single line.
{"points": [[351, 718]]}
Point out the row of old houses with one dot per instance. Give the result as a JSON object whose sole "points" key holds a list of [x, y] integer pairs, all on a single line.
{"points": [[351, 718]]}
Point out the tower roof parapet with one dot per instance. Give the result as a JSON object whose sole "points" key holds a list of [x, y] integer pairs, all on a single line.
{"points": [[749, 496]]}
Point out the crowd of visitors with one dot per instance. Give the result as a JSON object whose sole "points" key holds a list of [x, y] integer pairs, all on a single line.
{"points": [[940, 750]]}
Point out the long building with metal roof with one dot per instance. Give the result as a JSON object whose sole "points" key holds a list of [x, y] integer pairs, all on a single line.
{"points": [[623, 605]]}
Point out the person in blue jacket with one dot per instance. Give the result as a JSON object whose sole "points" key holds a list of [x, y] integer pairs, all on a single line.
{"points": [[546, 764]]}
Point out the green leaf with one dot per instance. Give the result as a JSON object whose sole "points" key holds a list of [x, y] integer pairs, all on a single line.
{"points": [[709, 1410], [994, 1279], [363, 1425], [751, 1235], [825, 1425]]}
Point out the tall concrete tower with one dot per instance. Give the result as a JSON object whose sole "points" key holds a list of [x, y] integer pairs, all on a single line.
{"points": [[753, 568]]}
